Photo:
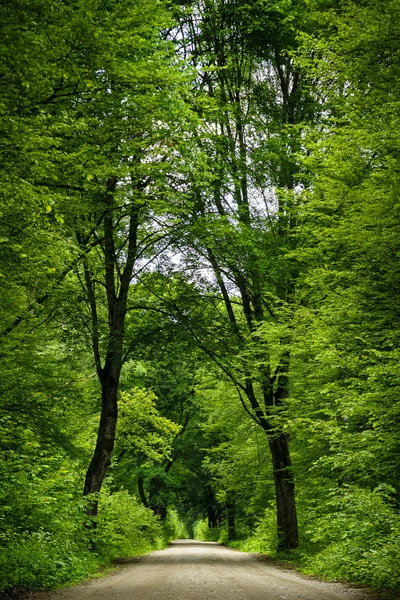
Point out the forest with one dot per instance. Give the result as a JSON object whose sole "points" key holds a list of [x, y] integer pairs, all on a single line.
{"points": [[200, 284]]}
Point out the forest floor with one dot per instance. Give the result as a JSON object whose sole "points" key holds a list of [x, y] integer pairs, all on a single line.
{"points": [[191, 570]]}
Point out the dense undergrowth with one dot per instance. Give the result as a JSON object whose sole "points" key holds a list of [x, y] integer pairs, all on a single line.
{"points": [[58, 552]]}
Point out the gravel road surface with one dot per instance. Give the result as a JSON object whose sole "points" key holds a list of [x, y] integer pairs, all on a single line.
{"points": [[191, 570]]}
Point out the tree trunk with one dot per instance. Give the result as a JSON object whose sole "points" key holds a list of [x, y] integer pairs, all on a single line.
{"points": [[142, 494], [211, 516], [104, 446], [230, 514], [284, 491]]}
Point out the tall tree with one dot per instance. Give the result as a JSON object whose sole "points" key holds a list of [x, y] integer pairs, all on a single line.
{"points": [[244, 215], [134, 118]]}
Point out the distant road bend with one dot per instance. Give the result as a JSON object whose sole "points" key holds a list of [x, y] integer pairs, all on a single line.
{"points": [[191, 570]]}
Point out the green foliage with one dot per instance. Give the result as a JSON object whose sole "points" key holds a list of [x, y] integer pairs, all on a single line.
{"points": [[126, 528], [58, 551], [344, 409], [355, 536], [43, 541], [263, 538], [280, 194], [173, 526], [142, 431], [236, 461], [202, 532], [41, 559]]}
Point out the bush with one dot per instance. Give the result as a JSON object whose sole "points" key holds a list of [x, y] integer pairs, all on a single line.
{"points": [[42, 541], [42, 560], [264, 537], [57, 552], [174, 528], [126, 528], [357, 540], [202, 532]]}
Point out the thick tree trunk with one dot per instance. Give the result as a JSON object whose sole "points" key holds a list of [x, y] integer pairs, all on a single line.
{"points": [[276, 390], [104, 446], [284, 491]]}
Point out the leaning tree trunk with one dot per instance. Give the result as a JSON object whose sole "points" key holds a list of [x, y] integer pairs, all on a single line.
{"points": [[101, 458]]}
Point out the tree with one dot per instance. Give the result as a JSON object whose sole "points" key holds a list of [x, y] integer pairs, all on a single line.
{"points": [[242, 226], [131, 115]]}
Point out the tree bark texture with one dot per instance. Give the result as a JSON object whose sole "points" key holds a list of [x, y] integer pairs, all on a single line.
{"points": [[284, 491], [101, 458]]}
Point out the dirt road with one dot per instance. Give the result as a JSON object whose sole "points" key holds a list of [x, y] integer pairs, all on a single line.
{"points": [[190, 570]]}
